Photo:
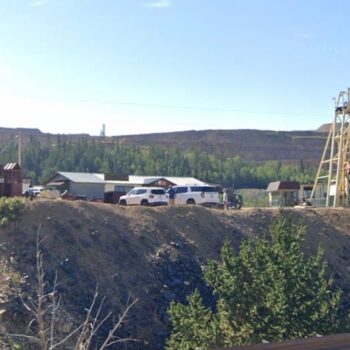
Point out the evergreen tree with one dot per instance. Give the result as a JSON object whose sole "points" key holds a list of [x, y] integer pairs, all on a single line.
{"points": [[195, 326], [269, 291], [40, 161]]}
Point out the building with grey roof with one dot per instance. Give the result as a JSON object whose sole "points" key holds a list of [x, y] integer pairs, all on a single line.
{"points": [[95, 186], [88, 186]]}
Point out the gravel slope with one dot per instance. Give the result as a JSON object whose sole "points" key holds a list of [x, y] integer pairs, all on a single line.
{"points": [[154, 254]]}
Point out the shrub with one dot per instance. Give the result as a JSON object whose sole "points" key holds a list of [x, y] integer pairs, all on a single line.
{"points": [[10, 209], [269, 291]]}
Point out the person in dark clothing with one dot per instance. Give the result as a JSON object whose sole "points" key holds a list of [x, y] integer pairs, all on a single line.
{"points": [[171, 194]]}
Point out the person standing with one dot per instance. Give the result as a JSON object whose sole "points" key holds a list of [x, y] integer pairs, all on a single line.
{"points": [[171, 193], [225, 198]]}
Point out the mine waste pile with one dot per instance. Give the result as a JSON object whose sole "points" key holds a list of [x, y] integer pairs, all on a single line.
{"points": [[155, 255]]}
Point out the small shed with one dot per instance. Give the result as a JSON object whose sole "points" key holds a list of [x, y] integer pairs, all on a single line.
{"points": [[283, 193], [10, 180], [90, 186]]}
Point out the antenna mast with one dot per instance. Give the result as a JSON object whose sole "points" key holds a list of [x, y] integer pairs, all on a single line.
{"points": [[103, 131]]}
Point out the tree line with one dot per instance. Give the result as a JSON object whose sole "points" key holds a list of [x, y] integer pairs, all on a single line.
{"points": [[40, 161]]}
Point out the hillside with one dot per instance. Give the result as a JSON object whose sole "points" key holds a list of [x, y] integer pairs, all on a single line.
{"points": [[154, 254], [251, 145]]}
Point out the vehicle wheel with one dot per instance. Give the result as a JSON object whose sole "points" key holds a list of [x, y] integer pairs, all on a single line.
{"points": [[123, 202], [144, 202], [190, 201]]}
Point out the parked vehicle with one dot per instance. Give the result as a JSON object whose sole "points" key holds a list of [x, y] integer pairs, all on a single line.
{"points": [[33, 191], [196, 195], [145, 196]]}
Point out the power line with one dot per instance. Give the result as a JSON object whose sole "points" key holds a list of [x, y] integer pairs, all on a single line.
{"points": [[175, 106]]}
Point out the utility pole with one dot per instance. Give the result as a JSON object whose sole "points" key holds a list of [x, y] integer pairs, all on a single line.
{"points": [[19, 156]]}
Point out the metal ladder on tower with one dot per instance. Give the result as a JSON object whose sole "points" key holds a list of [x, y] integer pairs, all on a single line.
{"points": [[333, 171]]}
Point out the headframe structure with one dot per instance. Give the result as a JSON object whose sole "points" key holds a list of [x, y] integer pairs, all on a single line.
{"points": [[334, 170]]}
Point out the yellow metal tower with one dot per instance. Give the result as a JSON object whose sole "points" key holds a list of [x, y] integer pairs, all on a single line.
{"points": [[334, 169]]}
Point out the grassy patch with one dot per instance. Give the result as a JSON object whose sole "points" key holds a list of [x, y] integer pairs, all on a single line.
{"points": [[253, 198]]}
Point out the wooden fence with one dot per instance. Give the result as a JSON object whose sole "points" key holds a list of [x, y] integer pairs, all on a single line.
{"points": [[334, 342]]}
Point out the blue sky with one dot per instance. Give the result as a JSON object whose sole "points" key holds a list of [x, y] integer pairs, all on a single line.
{"points": [[140, 66]]}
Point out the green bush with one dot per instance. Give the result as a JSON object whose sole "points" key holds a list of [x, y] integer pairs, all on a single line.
{"points": [[10, 209], [269, 291]]}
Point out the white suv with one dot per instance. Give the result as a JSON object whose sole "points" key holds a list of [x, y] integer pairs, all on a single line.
{"points": [[145, 196], [196, 195]]}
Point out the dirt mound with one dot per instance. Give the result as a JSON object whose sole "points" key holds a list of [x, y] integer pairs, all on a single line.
{"points": [[154, 254]]}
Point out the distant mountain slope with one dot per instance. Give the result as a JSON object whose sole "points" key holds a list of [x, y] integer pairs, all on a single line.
{"points": [[8, 134], [324, 128], [251, 145]]}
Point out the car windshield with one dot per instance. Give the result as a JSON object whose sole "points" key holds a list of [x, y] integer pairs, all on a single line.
{"points": [[209, 189], [158, 191], [180, 189], [197, 189]]}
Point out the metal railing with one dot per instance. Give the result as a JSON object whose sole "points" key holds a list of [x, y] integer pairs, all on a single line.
{"points": [[318, 202], [334, 342]]}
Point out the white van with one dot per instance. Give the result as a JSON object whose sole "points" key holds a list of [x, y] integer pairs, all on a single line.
{"points": [[145, 196], [196, 195]]}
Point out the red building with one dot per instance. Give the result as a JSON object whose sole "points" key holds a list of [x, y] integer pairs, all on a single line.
{"points": [[10, 180]]}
